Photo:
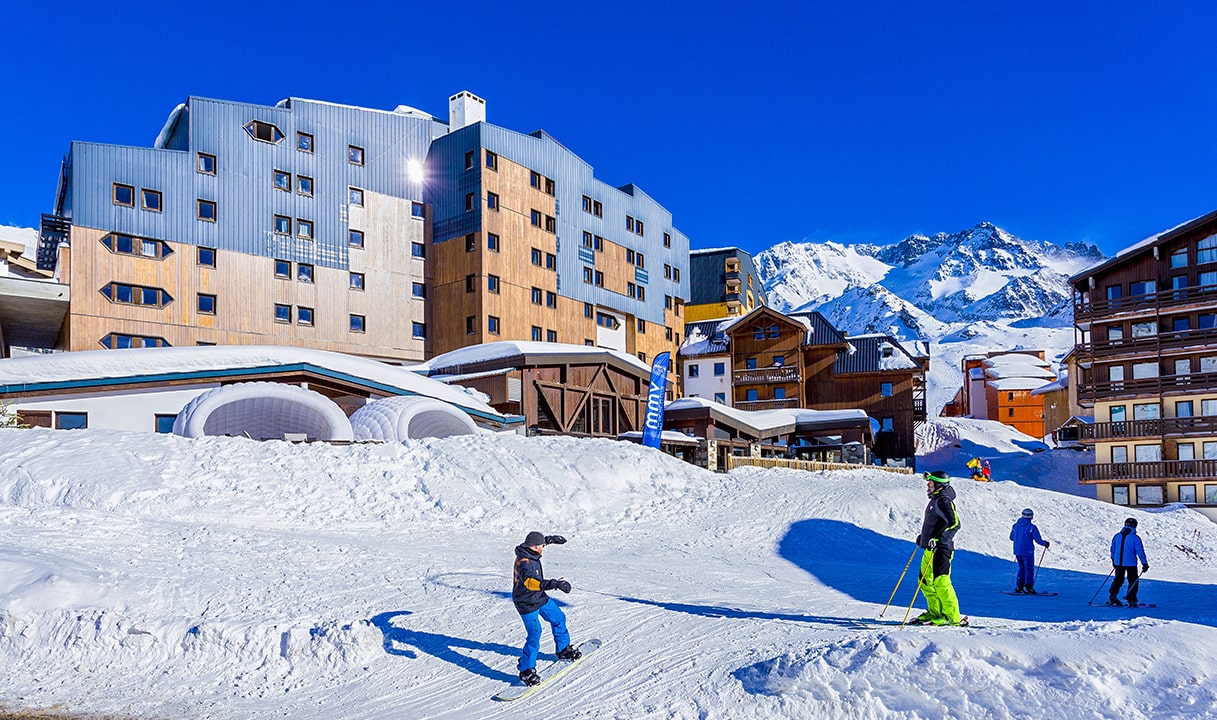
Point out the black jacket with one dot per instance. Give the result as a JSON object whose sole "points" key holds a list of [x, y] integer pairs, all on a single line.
{"points": [[528, 583], [941, 521]]}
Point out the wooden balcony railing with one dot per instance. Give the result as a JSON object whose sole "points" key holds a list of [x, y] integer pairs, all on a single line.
{"points": [[1150, 302], [1190, 383], [1161, 471], [774, 374], [1161, 427], [1165, 340], [768, 404]]}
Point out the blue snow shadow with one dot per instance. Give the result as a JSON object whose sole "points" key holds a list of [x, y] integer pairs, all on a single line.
{"points": [[399, 639], [719, 611], [866, 565]]}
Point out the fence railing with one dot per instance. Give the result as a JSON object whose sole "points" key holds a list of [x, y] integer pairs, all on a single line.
{"points": [[1164, 470], [734, 461]]}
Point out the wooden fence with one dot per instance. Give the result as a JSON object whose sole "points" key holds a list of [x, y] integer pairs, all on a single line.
{"points": [[734, 461]]}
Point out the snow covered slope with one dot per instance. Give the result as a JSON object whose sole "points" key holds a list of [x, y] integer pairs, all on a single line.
{"points": [[154, 576]]}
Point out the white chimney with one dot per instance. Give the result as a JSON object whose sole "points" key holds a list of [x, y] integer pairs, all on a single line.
{"points": [[465, 108]]}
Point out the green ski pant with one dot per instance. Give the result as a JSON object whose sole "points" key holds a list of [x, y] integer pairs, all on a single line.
{"points": [[935, 581]]}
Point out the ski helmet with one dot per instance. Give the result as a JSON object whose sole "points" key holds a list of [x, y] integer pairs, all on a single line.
{"points": [[939, 476], [1028, 513], [1130, 522]]}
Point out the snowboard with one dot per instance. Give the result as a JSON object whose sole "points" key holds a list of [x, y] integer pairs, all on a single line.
{"points": [[1037, 592], [518, 689]]}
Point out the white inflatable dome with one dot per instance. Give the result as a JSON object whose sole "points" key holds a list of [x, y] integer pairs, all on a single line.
{"points": [[408, 417], [263, 411]]}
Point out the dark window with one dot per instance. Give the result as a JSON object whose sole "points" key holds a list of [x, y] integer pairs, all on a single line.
{"points": [[492, 325], [551, 261], [207, 304], [304, 185], [151, 200], [492, 160], [885, 389], [263, 131], [418, 210], [551, 299], [164, 423], [536, 257], [206, 164], [492, 201], [470, 324], [304, 142], [71, 420], [304, 272], [283, 269], [492, 283], [207, 257], [283, 313], [537, 296], [694, 370], [551, 336], [207, 210], [283, 225], [356, 282], [283, 181], [124, 195], [418, 290], [749, 364], [355, 196], [304, 316], [419, 331], [358, 323], [750, 395], [536, 334], [355, 155], [471, 242], [667, 240], [471, 283], [417, 250], [492, 242], [720, 369], [470, 159], [355, 238]]}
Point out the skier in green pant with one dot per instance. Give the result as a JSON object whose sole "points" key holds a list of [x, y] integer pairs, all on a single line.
{"points": [[937, 538]]}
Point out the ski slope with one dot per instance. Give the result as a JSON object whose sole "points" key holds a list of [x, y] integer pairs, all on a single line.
{"points": [[158, 577]]}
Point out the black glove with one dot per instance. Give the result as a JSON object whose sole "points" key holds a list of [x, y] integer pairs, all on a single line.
{"points": [[1145, 567], [554, 540], [1047, 544], [562, 585]]}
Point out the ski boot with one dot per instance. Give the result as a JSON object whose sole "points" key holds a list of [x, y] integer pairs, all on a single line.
{"points": [[1114, 601]]}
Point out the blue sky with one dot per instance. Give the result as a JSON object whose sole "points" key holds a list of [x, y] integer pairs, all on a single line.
{"points": [[753, 123]]}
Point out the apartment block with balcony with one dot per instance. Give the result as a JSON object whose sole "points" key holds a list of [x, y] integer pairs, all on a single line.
{"points": [[723, 283], [1146, 351]]}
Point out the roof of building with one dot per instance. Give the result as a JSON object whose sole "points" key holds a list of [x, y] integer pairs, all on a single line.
{"points": [[874, 353], [1061, 383], [1143, 245], [1014, 383], [478, 358], [707, 337], [819, 330], [770, 423]]}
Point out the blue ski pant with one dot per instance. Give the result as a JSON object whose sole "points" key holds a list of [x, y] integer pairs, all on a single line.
{"points": [[1026, 571], [552, 614]]}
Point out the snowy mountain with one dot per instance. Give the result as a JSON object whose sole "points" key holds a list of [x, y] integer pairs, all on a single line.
{"points": [[974, 291]]}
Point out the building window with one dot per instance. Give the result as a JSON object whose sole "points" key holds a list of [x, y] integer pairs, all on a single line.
{"points": [[304, 316], [419, 331], [139, 247], [355, 155], [283, 313], [358, 323], [207, 210], [304, 142], [749, 363], [492, 161], [492, 201], [492, 284], [470, 202], [887, 425], [1187, 494], [551, 261], [304, 229], [885, 389], [304, 272], [536, 257], [207, 257], [470, 159], [536, 334], [205, 164], [124, 195], [587, 204], [470, 324], [537, 296], [263, 131], [720, 369], [115, 341], [492, 242], [356, 282], [418, 290], [1179, 258], [551, 336], [492, 325], [283, 181], [207, 304], [535, 218], [418, 210], [1119, 494], [720, 398], [355, 238], [631, 290], [751, 395], [676, 274], [471, 242], [588, 310], [136, 295], [355, 196], [588, 275], [694, 370], [283, 225], [551, 299], [1149, 494], [417, 250], [304, 185], [151, 200], [164, 423], [71, 420], [283, 269], [629, 223], [1206, 250], [471, 283], [667, 240], [641, 326], [779, 393], [599, 279]]}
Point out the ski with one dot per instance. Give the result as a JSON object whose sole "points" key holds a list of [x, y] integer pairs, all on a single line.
{"points": [[1126, 606], [1041, 594], [888, 624], [518, 690]]}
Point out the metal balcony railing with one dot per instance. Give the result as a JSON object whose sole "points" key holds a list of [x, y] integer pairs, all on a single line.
{"points": [[775, 374], [1161, 471], [1165, 340], [1150, 302], [1190, 383], [1160, 427]]}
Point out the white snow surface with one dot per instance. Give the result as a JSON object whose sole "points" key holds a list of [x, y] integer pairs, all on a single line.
{"points": [[156, 576]]}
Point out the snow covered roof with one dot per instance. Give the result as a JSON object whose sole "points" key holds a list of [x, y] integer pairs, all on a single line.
{"points": [[477, 354], [876, 352], [1014, 383], [1060, 383], [1142, 245], [668, 436], [707, 337], [770, 422], [97, 368]]}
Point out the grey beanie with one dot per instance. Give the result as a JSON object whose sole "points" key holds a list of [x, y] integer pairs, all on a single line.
{"points": [[534, 538]]}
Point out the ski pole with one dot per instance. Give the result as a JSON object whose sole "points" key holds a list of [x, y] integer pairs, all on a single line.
{"points": [[898, 582], [1131, 587], [1096, 592], [1035, 573], [916, 592]]}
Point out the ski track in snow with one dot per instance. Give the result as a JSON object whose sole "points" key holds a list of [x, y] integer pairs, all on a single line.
{"points": [[157, 577]]}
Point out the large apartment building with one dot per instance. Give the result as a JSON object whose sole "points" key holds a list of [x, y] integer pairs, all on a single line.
{"points": [[389, 234], [1146, 328], [723, 283]]}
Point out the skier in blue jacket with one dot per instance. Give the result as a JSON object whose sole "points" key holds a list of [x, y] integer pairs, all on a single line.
{"points": [[528, 593], [1026, 536], [1126, 549]]}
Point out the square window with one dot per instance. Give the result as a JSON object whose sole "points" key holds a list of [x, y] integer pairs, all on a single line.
{"points": [[355, 238], [492, 242], [358, 323], [551, 299], [283, 313], [492, 160], [151, 199], [283, 225], [356, 281], [492, 283], [779, 393], [207, 304], [124, 195], [355, 196], [150, 248], [551, 261], [694, 370], [493, 324], [536, 257], [283, 181], [304, 142], [720, 369], [355, 155], [885, 389], [419, 331], [207, 210], [551, 336], [749, 364], [417, 210], [207, 257], [887, 424], [470, 202], [164, 423], [304, 272], [1187, 494], [283, 269], [1119, 494], [304, 185], [536, 334], [304, 316], [206, 164], [418, 290], [751, 395], [304, 229], [720, 398]]}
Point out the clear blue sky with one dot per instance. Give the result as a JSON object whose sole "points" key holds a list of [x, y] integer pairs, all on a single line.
{"points": [[753, 123]]}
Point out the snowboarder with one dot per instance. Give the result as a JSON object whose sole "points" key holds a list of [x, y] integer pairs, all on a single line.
{"points": [[528, 594], [1026, 536], [1126, 549], [937, 539]]}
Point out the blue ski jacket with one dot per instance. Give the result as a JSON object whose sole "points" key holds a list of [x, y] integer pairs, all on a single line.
{"points": [[528, 584], [1026, 536], [1126, 548]]}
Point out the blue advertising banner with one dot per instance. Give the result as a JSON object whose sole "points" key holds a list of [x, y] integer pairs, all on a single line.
{"points": [[653, 427]]}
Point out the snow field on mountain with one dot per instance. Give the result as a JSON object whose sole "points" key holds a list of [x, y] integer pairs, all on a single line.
{"points": [[158, 577]]}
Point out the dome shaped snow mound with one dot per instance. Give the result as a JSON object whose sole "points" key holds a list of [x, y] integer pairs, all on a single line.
{"points": [[263, 411], [408, 417]]}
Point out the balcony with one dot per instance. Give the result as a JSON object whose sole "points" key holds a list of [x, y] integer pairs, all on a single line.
{"points": [[768, 404], [1161, 471], [1154, 386], [1150, 344], [919, 409], [761, 376], [1149, 303]]}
